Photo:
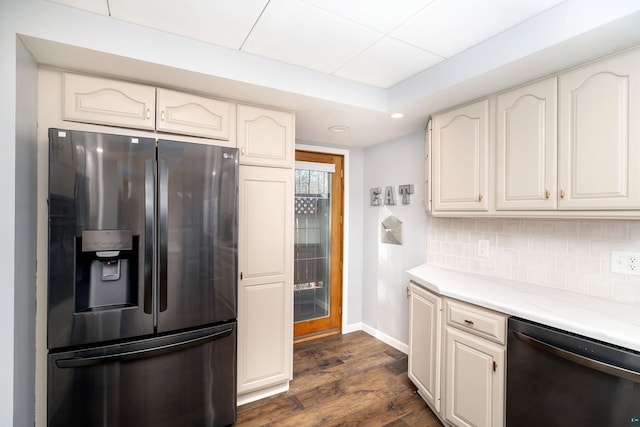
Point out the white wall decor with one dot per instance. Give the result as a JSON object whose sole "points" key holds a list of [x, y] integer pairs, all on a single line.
{"points": [[389, 196], [391, 230], [375, 194], [406, 191]]}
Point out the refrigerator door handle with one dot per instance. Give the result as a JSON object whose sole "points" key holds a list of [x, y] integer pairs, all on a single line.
{"points": [[149, 235], [78, 362], [163, 232]]}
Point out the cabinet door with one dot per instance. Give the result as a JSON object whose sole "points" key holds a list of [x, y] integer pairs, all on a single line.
{"points": [[265, 137], [474, 381], [599, 135], [189, 114], [526, 147], [424, 343], [265, 261], [460, 158], [108, 102]]}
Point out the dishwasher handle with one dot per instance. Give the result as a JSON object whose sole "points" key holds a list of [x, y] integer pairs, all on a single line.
{"points": [[578, 359], [77, 362]]}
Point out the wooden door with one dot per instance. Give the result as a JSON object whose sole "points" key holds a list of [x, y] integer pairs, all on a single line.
{"points": [[599, 135], [526, 150], [318, 245], [460, 158]]}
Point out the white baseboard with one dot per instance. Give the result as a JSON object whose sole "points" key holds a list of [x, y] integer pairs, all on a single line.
{"points": [[398, 345]]}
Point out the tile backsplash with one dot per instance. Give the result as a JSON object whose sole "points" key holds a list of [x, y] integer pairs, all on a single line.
{"points": [[568, 254]]}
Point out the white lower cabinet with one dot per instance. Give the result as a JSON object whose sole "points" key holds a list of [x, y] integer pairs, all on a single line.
{"points": [[457, 354], [425, 340], [474, 380]]}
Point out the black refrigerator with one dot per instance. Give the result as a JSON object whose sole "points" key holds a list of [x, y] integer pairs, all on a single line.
{"points": [[142, 281]]}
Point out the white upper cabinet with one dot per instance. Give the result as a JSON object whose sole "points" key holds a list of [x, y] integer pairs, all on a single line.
{"points": [[187, 114], [526, 147], [599, 135], [265, 137], [460, 158], [565, 147], [109, 102], [115, 103]]}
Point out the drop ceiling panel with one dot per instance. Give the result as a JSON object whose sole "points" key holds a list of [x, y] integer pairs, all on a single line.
{"points": [[95, 6], [387, 62], [297, 33], [379, 15], [447, 27], [221, 22]]}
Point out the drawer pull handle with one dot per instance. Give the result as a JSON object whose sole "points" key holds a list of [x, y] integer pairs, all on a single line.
{"points": [[468, 322]]}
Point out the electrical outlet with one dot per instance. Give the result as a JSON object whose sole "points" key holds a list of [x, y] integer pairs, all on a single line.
{"points": [[483, 248], [625, 262]]}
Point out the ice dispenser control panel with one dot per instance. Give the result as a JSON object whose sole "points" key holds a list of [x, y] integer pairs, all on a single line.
{"points": [[106, 240]]}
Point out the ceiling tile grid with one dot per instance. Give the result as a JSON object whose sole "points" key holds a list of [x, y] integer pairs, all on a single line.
{"points": [[297, 33], [376, 42], [220, 22]]}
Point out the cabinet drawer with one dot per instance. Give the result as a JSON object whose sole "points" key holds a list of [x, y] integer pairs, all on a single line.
{"points": [[484, 323]]}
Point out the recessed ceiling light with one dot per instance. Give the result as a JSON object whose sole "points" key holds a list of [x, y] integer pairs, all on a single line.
{"points": [[397, 115], [339, 129]]}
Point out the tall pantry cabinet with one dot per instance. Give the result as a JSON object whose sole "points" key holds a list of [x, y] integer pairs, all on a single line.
{"points": [[265, 251]]}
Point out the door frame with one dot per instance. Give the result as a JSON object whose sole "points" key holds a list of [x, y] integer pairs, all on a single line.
{"points": [[345, 223]]}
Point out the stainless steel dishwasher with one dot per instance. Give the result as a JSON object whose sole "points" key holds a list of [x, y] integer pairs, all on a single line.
{"points": [[556, 378]]}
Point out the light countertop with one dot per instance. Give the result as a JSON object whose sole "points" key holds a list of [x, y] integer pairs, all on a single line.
{"points": [[610, 321]]}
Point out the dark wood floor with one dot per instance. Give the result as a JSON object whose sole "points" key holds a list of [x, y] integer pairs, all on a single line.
{"points": [[343, 380]]}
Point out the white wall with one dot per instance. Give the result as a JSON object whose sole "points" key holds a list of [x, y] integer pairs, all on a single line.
{"points": [[384, 297], [566, 254], [25, 237]]}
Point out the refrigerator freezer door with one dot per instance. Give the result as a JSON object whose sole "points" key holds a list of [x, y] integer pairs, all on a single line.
{"points": [[99, 278], [197, 238], [184, 379]]}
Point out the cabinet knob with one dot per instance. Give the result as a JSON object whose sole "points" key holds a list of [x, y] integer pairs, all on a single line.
{"points": [[162, 116], [480, 197], [547, 194], [148, 113], [562, 193], [242, 151]]}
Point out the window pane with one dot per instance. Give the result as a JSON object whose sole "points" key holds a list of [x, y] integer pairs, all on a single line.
{"points": [[312, 245]]}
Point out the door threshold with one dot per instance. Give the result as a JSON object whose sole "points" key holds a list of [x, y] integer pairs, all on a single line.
{"points": [[316, 335]]}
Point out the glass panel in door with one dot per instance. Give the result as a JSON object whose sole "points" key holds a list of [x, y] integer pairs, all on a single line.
{"points": [[312, 244]]}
